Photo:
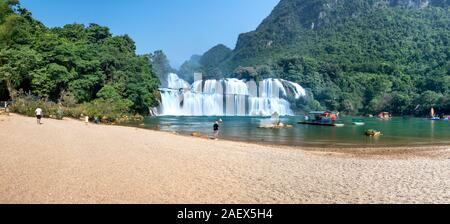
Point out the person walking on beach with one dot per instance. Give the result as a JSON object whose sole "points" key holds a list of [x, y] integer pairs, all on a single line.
{"points": [[38, 113], [216, 130]]}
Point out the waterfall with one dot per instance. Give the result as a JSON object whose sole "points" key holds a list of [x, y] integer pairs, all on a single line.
{"points": [[227, 97]]}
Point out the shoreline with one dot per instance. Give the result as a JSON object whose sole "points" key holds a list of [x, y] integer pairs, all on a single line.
{"points": [[376, 150], [372, 149], [412, 150], [67, 161], [391, 141], [306, 147], [321, 147]]}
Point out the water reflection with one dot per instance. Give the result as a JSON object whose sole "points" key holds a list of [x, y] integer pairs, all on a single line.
{"points": [[432, 127]]}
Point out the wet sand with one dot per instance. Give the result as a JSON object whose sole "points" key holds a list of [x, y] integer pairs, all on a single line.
{"points": [[71, 162]]}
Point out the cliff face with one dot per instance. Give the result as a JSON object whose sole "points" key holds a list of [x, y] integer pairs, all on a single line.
{"points": [[417, 3], [294, 20], [293, 16]]}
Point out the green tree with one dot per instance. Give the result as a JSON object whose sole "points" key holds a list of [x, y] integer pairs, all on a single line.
{"points": [[15, 67], [427, 100], [161, 65], [402, 104]]}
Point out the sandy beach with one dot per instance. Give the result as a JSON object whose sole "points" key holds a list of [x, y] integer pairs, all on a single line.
{"points": [[70, 162]]}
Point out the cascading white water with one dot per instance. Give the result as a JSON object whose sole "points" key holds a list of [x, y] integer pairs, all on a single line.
{"points": [[227, 97]]}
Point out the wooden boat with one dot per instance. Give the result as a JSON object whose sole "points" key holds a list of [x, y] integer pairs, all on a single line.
{"points": [[322, 118]]}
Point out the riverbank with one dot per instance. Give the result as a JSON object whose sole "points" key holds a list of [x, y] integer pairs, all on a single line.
{"points": [[70, 162]]}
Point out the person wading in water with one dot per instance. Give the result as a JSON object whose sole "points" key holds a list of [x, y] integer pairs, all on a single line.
{"points": [[216, 130]]}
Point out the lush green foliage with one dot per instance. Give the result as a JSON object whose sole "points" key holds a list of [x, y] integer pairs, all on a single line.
{"points": [[212, 59], [208, 64], [88, 63], [190, 67], [27, 104], [107, 110], [354, 56], [161, 66]]}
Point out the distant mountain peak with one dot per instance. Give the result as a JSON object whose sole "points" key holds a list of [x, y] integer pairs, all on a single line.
{"points": [[216, 55]]}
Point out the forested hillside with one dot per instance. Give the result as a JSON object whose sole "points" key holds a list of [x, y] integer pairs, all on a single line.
{"points": [[74, 64], [354, 56]]}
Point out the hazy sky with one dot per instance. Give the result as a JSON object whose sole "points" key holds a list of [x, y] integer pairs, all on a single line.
{"points": [[180, 28]]}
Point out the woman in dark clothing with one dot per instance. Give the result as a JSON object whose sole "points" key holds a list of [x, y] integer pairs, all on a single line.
{"points": [[216, 130]]}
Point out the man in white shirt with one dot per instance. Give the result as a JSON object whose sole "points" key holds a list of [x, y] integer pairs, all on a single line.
{"points": [[38, 113]]}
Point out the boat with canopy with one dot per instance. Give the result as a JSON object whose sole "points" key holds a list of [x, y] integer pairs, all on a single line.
{"points": [[322, 118]]}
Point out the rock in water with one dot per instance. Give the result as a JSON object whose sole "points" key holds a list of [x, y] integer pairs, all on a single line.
{"points": [[196, 134], [275, 126], [372, 133]]}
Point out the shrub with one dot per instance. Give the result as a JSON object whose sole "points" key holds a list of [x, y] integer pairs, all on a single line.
{"points": [[106, 110], [27, 104]]}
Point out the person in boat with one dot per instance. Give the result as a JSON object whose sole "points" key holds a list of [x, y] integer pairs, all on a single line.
{"points": [[318, 118], [333, 118], [216, 130], [326, 118], [306, 117]]}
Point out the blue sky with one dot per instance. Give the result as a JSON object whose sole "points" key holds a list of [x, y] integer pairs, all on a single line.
{"points": [[180, 28]]}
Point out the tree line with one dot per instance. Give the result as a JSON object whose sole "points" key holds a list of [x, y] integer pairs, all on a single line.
{"points": [[77, 63]]}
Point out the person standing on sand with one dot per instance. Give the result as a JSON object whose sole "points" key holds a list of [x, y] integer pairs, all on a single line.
{"points": [[216, 130], [38, 113]]}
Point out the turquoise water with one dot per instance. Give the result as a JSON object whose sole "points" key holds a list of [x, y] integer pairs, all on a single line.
{"points": [[396, 132]]}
